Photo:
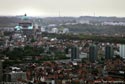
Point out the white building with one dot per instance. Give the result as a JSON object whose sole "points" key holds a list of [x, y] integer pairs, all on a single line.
{"points": [[43, 29], [122, 50], [65, 30], [114, 23], [83, 55], [54, 30]]}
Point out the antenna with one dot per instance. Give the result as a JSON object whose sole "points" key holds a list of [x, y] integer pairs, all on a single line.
{"points": [[94, 14], [59, 14]]}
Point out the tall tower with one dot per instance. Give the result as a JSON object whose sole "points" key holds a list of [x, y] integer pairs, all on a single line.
{"points": [[93, 53], [74, 53], [108, 52], [122, 50]]}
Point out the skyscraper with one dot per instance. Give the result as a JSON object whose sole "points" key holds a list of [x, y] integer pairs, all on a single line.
{"points": [[93, 53], [108, 52], [122, 50], [74, 53]]}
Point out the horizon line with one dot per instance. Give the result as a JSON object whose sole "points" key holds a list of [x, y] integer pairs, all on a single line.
{"points": [[62, 16]]}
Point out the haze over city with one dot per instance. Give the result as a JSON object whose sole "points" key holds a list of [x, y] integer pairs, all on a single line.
{"points": [[63, 7]]}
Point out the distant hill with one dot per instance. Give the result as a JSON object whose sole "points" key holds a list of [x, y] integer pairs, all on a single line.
{"points": [[103, 19], [8, 21], [14, 20], [96, 29]]}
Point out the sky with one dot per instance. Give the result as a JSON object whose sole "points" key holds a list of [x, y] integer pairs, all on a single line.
{"points": [[63, 7]]}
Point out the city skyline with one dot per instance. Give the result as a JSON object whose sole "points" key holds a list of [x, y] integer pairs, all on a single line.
{"points": [[63, 7]]}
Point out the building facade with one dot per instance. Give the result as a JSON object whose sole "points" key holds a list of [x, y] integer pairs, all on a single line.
{"points": [[1, 71], [122, 50], [93, 53], [25, 27], [109, 52], [14, 77], [74, 53]]}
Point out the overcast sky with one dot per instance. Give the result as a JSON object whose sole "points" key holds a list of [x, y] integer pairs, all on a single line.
{"points": [[65, 7]]}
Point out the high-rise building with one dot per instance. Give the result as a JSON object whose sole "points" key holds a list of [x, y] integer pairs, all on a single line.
{"points": [[74, 53], [122, 50], [93, 53], [67, 50], [109, 52], [1, 72]]}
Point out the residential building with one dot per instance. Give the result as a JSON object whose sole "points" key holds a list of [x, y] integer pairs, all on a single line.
{"points": [[14, 76], [93, 53], [122, 50], [1, 71], [109, 52], [74, 53]]}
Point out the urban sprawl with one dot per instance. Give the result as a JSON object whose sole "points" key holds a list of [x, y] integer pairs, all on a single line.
{"points": [[30, 55]]}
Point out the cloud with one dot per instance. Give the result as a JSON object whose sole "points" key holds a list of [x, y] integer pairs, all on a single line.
{"points": [[67, 7]]}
